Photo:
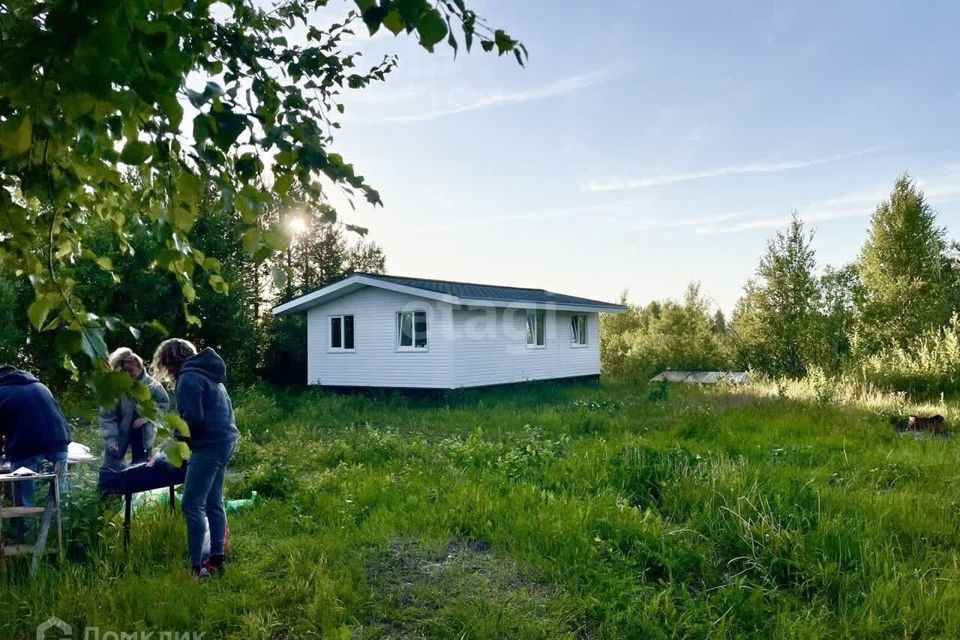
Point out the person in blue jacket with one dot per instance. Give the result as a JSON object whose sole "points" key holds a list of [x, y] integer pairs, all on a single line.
{"points": [[33, 427], [204, 404]]}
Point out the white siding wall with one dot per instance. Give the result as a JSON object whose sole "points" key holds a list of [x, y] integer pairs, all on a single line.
{"points": [[483, 356], [467, 347], [375, 361]]}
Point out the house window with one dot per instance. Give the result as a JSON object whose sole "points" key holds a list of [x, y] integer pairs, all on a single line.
{"points": [[536, 328], [578, 331], [341, 333], [412, 330]]}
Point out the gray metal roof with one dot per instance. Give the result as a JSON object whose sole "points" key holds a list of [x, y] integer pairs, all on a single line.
{"points": [[493, 293]]}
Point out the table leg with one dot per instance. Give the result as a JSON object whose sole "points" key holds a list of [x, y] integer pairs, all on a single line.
{"points": [[127, 514], [49, 505], [56, 488]]}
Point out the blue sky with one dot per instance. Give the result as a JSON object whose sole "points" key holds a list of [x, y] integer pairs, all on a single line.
{"points": [[650, 144]]}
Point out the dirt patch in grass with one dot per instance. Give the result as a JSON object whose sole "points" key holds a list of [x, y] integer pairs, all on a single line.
{"points": [[463, 589]]}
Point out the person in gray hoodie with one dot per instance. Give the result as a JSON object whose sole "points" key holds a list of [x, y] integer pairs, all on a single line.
{"points": [[33, 427], [122, 426], [205, 405]]}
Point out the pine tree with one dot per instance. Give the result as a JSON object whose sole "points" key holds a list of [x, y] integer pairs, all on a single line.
{"points": [[904, 270], [777, 320]]}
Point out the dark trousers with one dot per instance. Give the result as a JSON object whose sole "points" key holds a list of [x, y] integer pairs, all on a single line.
{"points": [[138, 452]]}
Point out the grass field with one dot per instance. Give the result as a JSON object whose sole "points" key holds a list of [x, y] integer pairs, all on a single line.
{"points": [[541, 512]]}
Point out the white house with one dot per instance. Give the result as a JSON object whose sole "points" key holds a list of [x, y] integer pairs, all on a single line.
{"points": [[371, 330]]}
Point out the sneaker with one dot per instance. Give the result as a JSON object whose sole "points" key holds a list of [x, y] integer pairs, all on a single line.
{"points": [[201, 574], [216, 563]]}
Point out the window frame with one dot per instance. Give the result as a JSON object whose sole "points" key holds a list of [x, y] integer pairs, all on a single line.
{"points": [[343, 333], [413, 348], [579, 336], [540, 322]]}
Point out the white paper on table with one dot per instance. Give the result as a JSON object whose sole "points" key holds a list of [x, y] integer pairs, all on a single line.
{"points": [[77, 452], [23, 471]]}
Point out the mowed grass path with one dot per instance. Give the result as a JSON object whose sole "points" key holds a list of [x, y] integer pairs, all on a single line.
{"points": [[541, 512]]}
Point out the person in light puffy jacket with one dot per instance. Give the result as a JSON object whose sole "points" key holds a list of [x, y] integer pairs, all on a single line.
{"points": [[33, 427], [122, 425], [205, 405]]}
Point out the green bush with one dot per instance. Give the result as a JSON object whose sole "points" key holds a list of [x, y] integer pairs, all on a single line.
{"points": [[928, 365], [663, 335]]}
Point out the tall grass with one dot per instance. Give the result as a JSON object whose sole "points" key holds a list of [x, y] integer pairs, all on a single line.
{"points": [[818, 389], [928, 365], [549, 512]]}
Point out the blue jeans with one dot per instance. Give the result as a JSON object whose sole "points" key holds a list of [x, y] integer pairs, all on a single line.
{"points": [[23, 490], [203, 499]]}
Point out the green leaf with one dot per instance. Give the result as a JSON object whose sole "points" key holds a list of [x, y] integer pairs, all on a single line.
{"points": [[275, 239], [68, 364], [432, 28], [157, 327], [105, 263], [202, 124], [279, 276], [16, 136], [248, 166], [393, 22], [282, 184], [219, 285], [38, 310], [93, 345], [229, 126], [176, 424], [139, 391], [503, 41], [136, 152], [183, 217], [110, 386], [171, 106], [176, 452], [69, 341], [251, 240]]}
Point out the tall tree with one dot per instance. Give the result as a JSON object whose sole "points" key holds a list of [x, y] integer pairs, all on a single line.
{"points": [[840, 290], [366, 256], [908, 286], [776, 322]]}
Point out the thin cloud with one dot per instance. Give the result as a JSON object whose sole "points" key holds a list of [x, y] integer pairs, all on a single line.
{"points": [[558, 87], [667, 223], [777, 222], [522, 216], [644, 182]]}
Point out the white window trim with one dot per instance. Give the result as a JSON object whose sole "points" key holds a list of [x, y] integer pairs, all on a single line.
{"points": [[396, 325], [343, 333], [586, 331], [536, 313]]}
